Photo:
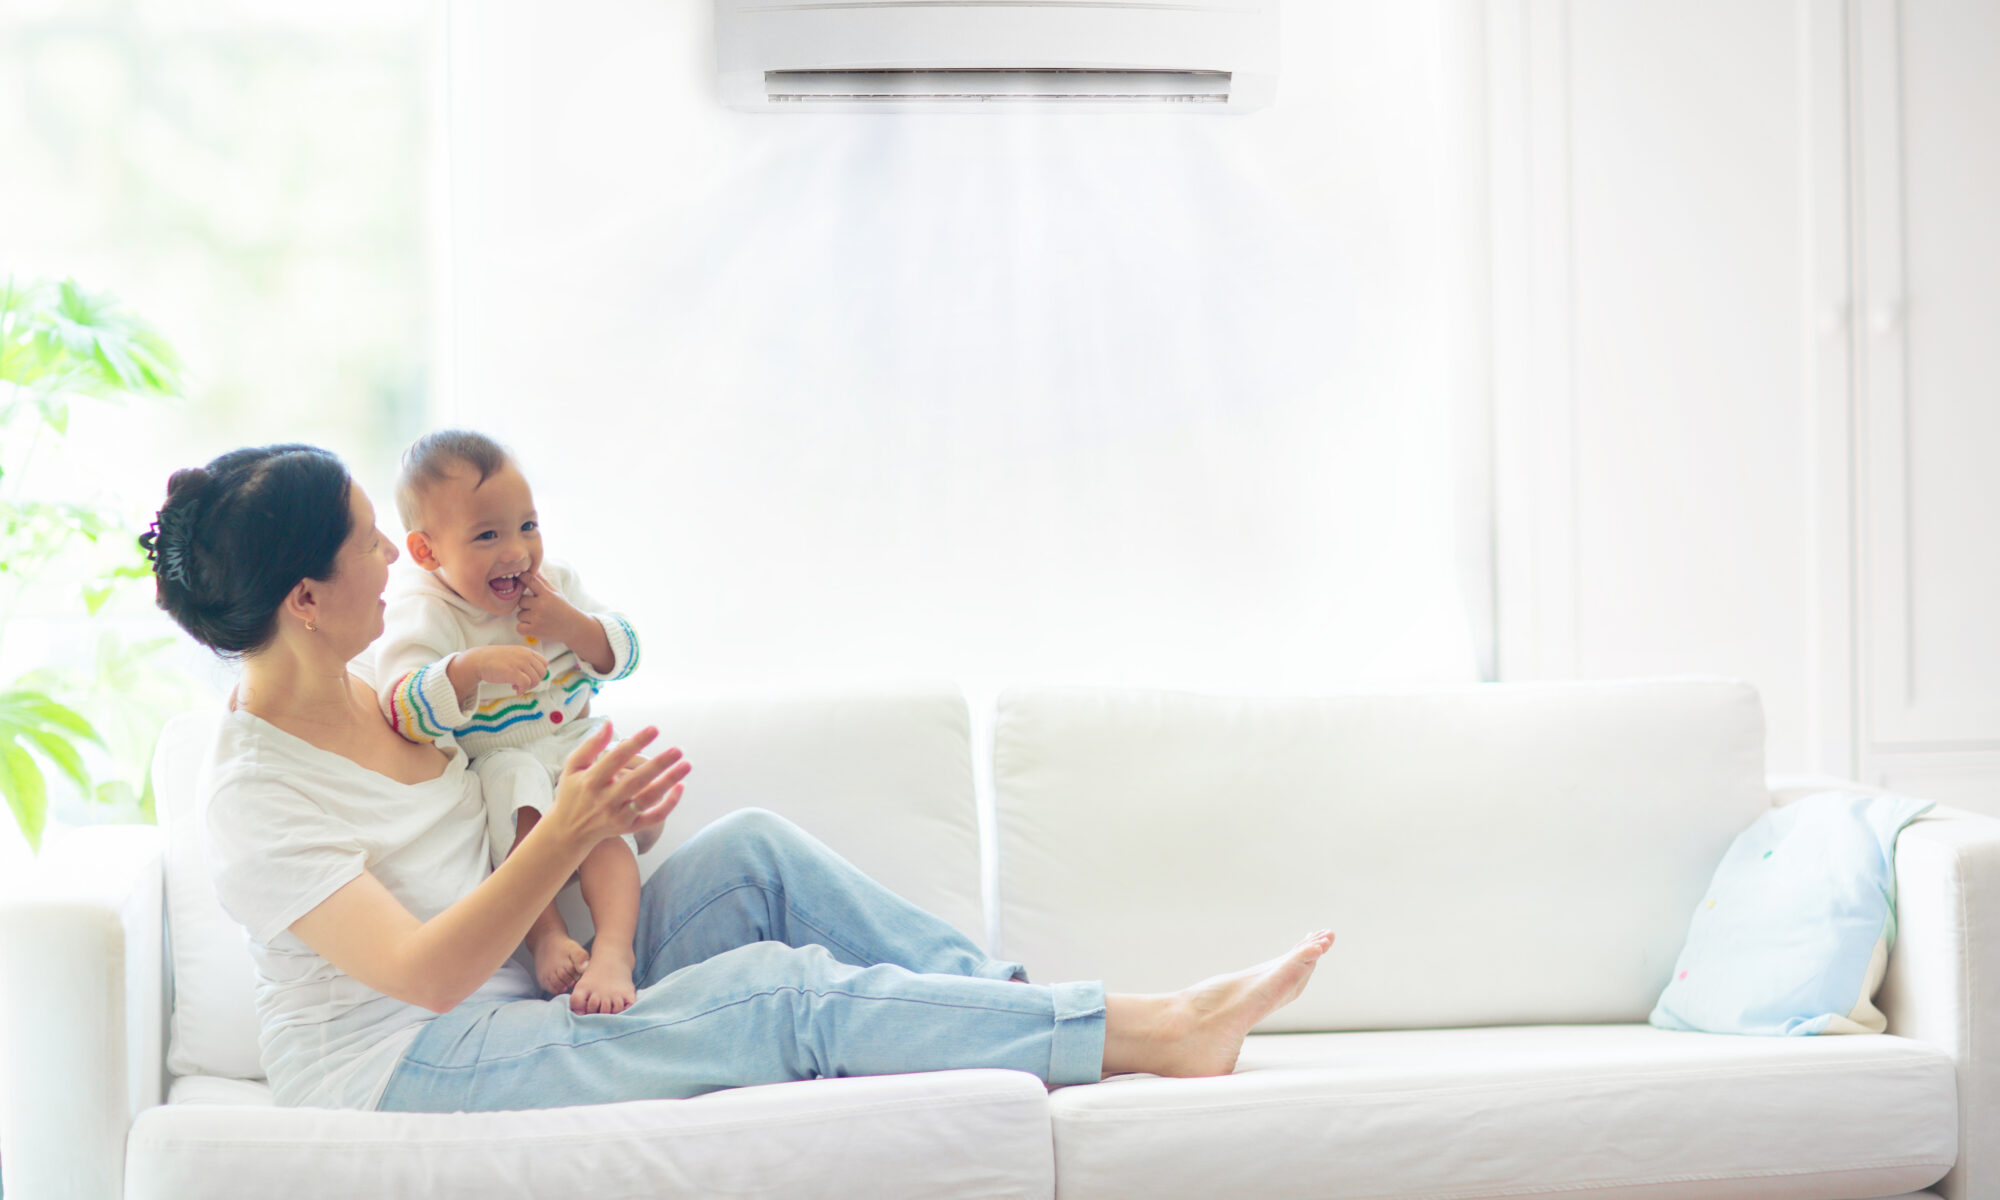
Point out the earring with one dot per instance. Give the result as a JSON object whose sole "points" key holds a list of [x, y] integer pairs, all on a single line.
{"points": [[311, 628]]}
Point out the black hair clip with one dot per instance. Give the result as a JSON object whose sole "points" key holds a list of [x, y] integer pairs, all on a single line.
{"points": [[166, 542], [149, 541]]}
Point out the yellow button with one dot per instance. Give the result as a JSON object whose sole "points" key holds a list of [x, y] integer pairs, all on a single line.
{"points": [[1711, 904], [532, 640]]}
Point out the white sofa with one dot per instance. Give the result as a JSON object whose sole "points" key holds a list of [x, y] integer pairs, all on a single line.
{"points": [[1511, 870]]}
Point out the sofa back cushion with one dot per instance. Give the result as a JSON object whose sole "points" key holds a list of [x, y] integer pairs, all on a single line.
{"points": [[212, 1026], [1493, 854], [883, 777]]}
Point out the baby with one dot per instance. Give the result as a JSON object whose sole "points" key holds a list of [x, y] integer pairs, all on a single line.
{"points": [[502, 651]]}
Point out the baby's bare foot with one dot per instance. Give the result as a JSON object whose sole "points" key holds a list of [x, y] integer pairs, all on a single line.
{"points": [[1219, 1013], [559, 963], [606, 985]]}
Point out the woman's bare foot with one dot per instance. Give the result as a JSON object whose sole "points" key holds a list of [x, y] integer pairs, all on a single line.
{"points": [[606, 985], [559, 963], [1199, 1030]]}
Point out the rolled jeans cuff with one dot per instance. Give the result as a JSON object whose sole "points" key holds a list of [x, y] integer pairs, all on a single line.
{"points": [[1076, 1052]]}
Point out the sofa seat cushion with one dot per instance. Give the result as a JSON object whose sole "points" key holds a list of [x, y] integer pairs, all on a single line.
{"points": [[1582, 1111], [949, 1133]]}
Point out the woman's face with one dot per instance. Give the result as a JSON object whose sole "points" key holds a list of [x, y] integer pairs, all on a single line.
{"points": [[350, 604]]}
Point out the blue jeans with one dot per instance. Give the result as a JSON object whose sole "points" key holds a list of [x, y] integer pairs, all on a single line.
{"points": [[761, 956]]}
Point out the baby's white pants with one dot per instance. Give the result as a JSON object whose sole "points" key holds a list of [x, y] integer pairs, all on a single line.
{"points": [[516, 777]]}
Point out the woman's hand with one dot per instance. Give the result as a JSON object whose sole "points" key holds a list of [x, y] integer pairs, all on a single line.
{"points": [[605, 793], [647, 835]]}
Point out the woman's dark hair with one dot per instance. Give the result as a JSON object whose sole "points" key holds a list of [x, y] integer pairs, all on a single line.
{"points": [[235, 536]]}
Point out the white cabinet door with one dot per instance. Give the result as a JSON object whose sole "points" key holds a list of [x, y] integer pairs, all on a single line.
{"points": [[1926, 87], [1654, 350]]}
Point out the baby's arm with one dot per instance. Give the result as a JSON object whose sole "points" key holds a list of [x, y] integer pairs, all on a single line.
{"points": [[413, 671], [558, 609], [430, 681]]}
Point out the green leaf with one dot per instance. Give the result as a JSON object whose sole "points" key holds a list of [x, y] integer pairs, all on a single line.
{"points": [[159, 366], [55, 412], [15, 702], [19, 354], [128, 695], [27, 795], [126, 354], [58, 750], [65, 718], [36, 710], [62, 341]]}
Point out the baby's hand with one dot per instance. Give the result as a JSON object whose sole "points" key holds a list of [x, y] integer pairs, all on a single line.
{"points": [[516, 667], [545, 613]]}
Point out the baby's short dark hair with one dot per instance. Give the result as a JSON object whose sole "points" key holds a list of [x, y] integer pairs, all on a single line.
{"points": [[430, 459]]}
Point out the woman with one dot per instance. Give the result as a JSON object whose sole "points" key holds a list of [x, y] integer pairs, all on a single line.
{"points": [[383, 942]]}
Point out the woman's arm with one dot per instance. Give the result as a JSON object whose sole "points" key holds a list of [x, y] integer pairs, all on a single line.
{"points": [[363, 930]]}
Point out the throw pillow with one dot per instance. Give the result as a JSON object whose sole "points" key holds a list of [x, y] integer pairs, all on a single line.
{"points": [[1793, 934]]}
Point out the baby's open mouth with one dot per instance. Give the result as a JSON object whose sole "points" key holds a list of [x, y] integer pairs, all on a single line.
{"points": [[507, 587]]}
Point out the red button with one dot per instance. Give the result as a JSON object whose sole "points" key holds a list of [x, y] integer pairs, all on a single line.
{"points": [[555, 718]]}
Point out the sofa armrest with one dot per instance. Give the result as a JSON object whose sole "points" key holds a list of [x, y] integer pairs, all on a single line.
{"points": [[1943, 982], [81, 1011]]}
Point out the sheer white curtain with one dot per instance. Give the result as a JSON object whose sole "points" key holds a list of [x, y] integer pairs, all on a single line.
{"points": [[987, 398]]}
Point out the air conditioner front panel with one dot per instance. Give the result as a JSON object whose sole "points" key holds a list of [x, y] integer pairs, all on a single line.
{"points": [[762, 47]]}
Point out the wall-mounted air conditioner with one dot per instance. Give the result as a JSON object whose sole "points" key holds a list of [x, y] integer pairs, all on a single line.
{"points": [[992, 55]]}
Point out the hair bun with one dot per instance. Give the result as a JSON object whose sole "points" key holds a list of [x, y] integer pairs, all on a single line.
{"points": [[187, 486]]}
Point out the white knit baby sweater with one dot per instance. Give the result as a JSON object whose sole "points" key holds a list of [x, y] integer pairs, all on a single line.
{"points": [[428, 623]]}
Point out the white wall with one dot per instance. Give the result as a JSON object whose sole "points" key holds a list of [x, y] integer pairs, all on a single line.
{"points": [[1654, 417], [1744, 377], [1204, 401], [1003, 398]]}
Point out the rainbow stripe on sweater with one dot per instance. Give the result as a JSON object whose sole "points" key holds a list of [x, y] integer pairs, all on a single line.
{"points": [[508, 711], [412, 714], [632, 640]]}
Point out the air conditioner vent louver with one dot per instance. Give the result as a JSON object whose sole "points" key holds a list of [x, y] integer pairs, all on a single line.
{"points": [[985, 84], [916, 55]]}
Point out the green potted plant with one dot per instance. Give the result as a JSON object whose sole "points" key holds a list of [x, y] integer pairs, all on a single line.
{"points": [[60, 346]]}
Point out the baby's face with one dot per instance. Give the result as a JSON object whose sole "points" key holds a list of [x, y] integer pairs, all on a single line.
{"points": [[483, 537]]}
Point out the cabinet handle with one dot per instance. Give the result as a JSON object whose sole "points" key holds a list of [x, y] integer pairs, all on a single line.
{"points": [[1887, 316]]}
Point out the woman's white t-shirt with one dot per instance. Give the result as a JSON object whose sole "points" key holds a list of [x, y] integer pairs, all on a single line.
{"points": [[289, 824]]}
